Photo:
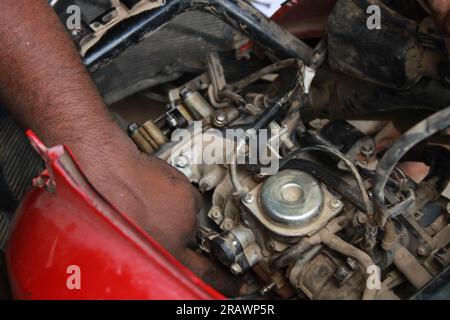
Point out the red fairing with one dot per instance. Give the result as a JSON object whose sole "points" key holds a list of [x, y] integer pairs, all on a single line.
{"points": [[67, 242], [305, 18]]}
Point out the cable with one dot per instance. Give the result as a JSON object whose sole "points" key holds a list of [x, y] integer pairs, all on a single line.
{"points": [[421, 131], [277, 66], [348, 162]]}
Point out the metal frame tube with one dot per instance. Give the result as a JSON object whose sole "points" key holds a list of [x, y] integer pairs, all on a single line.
{"points": [[237, 13]]}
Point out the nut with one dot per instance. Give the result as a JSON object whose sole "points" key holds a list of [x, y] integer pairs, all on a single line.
{"points": [[421, 250], [216, 213], [181, 162], [335, 204], [228, 224], [236, 269]]}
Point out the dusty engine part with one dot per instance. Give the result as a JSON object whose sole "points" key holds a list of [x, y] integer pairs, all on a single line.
{"points": [[138, 138], [322, 276], [310, 215], [196, 104], [292, 204], [236, 249], [371, 55]]}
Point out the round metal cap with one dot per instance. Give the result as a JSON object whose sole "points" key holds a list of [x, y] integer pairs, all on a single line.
{"points": [[291, 197]]}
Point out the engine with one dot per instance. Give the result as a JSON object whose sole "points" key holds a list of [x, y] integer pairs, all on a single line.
{"points": [[293, 213]]}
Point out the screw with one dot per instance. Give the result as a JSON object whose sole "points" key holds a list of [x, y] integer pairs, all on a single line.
{"points": [[266, 289], [215, 213], [228, 224], [271, 246], [75, 32], [221, 116], [220, 119], [181, 162], [184, 92], [361, 218], [352, 263], [421, 250], [335, 204], [341, 273], [236, 269], [171, 120], [367, 149], [248, 198]]}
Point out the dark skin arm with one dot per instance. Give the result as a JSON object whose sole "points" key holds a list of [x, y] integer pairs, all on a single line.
{"points": [[45, 86], [441, 14]]}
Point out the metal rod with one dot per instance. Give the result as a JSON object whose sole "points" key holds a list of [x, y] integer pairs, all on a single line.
{"points": [[237, 13]]}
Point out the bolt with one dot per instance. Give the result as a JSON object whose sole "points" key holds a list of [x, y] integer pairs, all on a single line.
{"points": [[361, 218], [352, 263], [220, 119], [271, 246], [171, 120], [266, 289], [181, 162], [75, 32], [132, 128], [236, 269], [203, 187], [341, 273], [367, 149], [184, 92], [248, 198], [335, 204], [221, 116], [421, 250], [228, 224], [215, 213]]}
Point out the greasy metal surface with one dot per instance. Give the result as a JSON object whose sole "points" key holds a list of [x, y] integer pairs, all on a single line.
{"points": [[327, 213], [291, 197]]}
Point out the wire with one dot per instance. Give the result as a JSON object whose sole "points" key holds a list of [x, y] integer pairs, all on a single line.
{"points": [[421, 131], [348, 162]]}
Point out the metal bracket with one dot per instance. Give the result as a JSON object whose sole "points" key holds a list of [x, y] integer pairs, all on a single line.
{"points": [[119, 13]]}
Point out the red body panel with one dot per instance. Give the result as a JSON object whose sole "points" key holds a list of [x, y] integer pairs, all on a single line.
{"points": [[305, 18]]}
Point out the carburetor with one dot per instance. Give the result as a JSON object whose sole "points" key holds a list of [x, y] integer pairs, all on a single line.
{"points": [[274, 214]]}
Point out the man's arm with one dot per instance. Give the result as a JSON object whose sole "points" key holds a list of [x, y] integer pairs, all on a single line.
{"points": [[45, 86], [441, 14]]}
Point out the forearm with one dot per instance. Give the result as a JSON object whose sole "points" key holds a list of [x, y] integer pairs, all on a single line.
{"points": [[441, 14], [42, 80]]}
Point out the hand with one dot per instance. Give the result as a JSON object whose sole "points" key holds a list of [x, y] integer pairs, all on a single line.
{"points": [[153, 194], [156, 197]]}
